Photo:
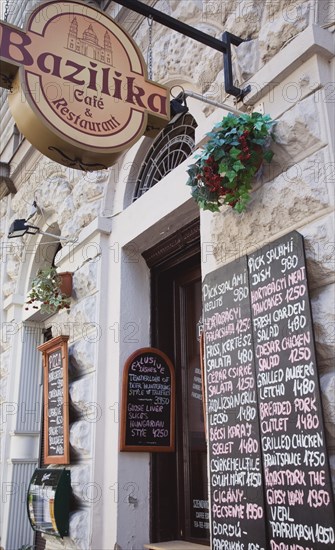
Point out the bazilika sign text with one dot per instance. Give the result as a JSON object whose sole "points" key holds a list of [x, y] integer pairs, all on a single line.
{"points": [[79, 88]]}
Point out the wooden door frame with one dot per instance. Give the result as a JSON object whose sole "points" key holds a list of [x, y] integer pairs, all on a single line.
{"points": [[179, 251], [192, 275]]}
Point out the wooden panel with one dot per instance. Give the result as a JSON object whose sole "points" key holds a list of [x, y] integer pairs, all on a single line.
{"points": [[56, 401]]}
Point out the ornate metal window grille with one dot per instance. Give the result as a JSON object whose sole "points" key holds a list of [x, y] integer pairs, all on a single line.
{"points": [[171, 147]]}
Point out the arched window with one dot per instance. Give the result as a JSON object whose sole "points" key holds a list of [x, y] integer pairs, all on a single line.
{"points": [[171, 147]]}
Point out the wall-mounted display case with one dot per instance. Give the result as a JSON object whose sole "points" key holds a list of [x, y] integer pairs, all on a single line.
{"points": [[48, 501]]}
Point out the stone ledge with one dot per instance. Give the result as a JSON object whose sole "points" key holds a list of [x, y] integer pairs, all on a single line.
{"points": [[313, 40]]}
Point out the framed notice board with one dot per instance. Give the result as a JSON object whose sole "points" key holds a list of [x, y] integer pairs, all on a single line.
{"points": [[56, 401], [148, 402]]}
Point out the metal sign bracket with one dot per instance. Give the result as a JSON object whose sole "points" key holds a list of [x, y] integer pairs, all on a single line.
{"points": [[223, 46]]}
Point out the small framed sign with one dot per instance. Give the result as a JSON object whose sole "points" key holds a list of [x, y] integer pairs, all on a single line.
{"points": [[56, 400], [148, 402]]}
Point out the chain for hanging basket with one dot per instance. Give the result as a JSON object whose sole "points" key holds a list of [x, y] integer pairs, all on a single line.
{"points": [[6, 10], [149, 56]]}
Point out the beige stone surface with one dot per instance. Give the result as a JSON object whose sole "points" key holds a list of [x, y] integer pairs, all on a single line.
{"points": [[218, 11], [298, 133], [81, 393], [323, 314], [12, 257], [327, 386], [78, 322], [81, 218], [276, 207], [80, 480], [81, 438], [80, 529], [248, 59], [292, 194], [283, 20], [3, 212], [53, 192], [246, 20], [81, 356], [319, 249], [86, 191], [85, 280]]}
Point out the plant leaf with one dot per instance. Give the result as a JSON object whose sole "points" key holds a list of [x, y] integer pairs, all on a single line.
{"points": [[234, 152], [238, 166], [231, 175]]}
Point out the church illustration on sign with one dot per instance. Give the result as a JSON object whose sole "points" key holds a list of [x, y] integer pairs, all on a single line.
{"points": [[88, 44]]}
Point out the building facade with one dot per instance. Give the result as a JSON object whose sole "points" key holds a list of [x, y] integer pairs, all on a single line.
{"points": [[139, 249]]}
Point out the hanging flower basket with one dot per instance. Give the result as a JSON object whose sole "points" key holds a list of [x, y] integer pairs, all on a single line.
{"points": [[235, 151], [50, 291]]}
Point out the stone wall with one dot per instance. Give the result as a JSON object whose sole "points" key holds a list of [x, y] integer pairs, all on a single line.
{"points": [[295, 193], [74, 199]]}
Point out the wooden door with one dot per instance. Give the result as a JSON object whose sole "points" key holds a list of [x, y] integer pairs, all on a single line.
{"points": [[179, 482]]}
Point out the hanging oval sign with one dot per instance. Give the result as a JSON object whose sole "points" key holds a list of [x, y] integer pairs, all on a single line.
{"points": [[78, 84]]}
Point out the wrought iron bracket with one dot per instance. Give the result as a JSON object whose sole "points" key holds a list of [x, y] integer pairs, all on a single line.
{"points": [[228, 39], [223, 46]]}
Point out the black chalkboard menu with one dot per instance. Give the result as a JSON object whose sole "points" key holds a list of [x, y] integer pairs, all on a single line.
{"points": [[56, 402], [148, 402], [297, 480], [264, 407], [236, 487]]}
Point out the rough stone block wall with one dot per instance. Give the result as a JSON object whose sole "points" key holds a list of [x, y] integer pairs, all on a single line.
{"points": [[294, 194], [75, 199]]}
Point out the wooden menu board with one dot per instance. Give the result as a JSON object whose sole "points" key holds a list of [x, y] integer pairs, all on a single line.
{"points": [[235, 469], [56, 400], [299, 501], [148, 402]]}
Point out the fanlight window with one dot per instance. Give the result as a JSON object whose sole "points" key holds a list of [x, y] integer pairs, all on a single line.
{"points": [[171, 147]]}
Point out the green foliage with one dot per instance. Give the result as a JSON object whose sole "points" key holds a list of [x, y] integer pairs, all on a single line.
{"points": [[45, 288], [225, 169]]}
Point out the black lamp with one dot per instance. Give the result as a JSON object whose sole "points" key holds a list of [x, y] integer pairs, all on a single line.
{"points": [[178, 106], [20, 228]]}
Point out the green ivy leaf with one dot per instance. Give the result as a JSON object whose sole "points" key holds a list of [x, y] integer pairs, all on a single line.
{"points": [[234, 152], [231, 175], [219, 154], [223, 168], [238, 166]]}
